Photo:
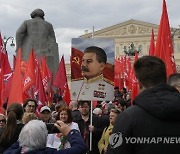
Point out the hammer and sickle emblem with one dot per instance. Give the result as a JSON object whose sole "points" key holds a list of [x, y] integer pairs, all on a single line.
{"points": [[76, 60]]}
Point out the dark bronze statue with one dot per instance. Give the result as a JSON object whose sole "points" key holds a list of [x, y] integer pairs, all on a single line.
{"points": [[39, 35], [132, 50]]}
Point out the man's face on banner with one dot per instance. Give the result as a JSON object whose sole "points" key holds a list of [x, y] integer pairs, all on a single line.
{"points": [[90, 66]]}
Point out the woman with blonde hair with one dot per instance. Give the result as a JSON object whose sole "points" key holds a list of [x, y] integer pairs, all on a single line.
{"points": [[104, 141]]}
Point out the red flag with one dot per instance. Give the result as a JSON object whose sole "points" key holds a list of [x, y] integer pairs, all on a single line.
{"points": [[50, 93], [7, 76], [1, 44], [135, 88], [60, 80], [76, 60], [118, 73], [164, 46], [30, 78], [1, 48], [45, 73], [40, 89], [152, 46], [16, 91], [1, 88], [66, 96]]}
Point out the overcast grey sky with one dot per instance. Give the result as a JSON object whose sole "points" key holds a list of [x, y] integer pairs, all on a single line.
{"points": [[71, 17]]}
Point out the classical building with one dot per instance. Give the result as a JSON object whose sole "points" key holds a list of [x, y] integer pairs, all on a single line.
{"points": [[136, 34]]}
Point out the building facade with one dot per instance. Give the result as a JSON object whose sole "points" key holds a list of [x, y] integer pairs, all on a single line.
{"points": [[136, 34]]}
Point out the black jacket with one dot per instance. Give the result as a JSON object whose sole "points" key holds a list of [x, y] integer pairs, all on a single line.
{"points": [[99, 123], [7, 143], [154, 115]]}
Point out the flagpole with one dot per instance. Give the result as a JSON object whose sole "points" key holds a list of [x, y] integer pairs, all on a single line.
{"points": [[90, 146]]}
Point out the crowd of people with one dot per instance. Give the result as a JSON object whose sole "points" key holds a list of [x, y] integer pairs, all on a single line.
{"points": [[59, 128], [76, 116]]}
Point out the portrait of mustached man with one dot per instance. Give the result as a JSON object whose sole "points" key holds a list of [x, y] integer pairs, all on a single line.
{"points": [[93, 85]]}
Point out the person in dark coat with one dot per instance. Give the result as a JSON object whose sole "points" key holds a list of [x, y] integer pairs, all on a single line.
{"points": [[13, 126], [97, 127], [73, 105], [33, 138], [174, 80], [154, 118]]}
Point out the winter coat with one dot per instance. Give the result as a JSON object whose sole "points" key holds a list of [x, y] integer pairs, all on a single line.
{"points": [[151, 125]]}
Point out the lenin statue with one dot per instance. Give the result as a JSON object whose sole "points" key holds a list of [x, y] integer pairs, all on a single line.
{"points": [[39, 35]]}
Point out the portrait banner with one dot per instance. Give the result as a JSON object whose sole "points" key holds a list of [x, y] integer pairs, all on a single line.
{"points": [[92, 69]]}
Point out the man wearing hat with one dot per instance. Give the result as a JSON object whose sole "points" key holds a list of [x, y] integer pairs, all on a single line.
{"points": [[45, 114]]}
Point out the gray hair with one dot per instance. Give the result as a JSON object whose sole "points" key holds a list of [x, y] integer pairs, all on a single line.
{"points": [[74, 103], [34, 135], [97, 111]]}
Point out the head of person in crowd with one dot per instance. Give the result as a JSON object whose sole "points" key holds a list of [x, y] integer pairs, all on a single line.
{"points": [[97, 111], [2, 120], [93, 62], [122, 104], [33, 139], [155, 72], [45, 114], [84, 107], [30, 105], [174, 80], [14, 116], [73, 105], [116, 90], [64, 114], [33, 135], [107, 108], [113, 114], [127, 96], [28, 117]]}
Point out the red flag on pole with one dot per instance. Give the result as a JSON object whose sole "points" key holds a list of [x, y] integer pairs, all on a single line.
{"points": [[135, 88], [60, 80], [67, 96], [76, 60], [30, 78], [7, 76], [164, 45], [152, 46], [16, 91], [40, 89], [45, 73]]}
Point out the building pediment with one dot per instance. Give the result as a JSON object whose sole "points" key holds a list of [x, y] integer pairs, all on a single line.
{"points": [[128, 28]]}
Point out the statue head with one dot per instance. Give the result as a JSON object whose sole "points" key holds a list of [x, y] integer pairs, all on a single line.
{"points": [[37, 13]]}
